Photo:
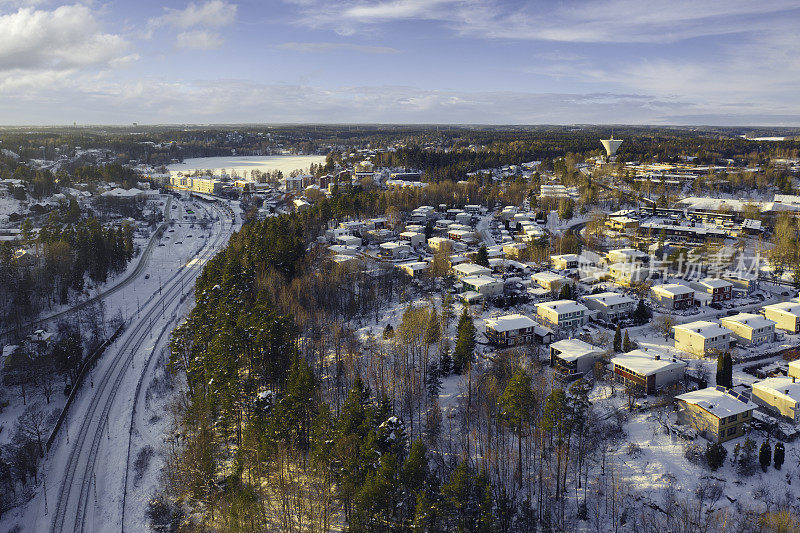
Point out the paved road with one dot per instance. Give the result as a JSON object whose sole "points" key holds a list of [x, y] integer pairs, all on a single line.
{"points": [[86, 469], [130, 278]]}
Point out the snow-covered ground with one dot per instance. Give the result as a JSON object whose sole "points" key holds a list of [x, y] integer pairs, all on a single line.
{"points": [[87, 468]]}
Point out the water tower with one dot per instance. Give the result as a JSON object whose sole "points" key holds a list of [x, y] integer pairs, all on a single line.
{"points": [[611, 145]]}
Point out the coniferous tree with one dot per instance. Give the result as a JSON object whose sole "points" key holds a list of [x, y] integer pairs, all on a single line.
{"points": [[715, 455], [627, 345], [618, 339], [465, 343], [779, 455], [445, 364], [482, 257], [765, 455]]}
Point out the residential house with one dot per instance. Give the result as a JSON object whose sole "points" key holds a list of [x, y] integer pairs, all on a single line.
{"points": [[785, 314], [572, 358], [562, 313], [627, 274], [610, 306], [719, 289], [486, 286], [702, 338], [515, 329], [565, 261], [780, 395], [648, 371], [749, 329], [471, 269], [718, 415], [551, 281], [672, 295]]}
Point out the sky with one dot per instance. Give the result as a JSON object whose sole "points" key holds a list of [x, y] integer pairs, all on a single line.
{"points": [[695, 62]]}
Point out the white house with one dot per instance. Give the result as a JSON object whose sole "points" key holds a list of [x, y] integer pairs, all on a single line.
{"points": [[749, 328], [349, 240], [413, 238], [486, 286], [471, 269], [702, 337], [395, 250]]}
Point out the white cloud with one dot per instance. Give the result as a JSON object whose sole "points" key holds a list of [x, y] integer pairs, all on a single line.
{"points": [[198, 40], [327, 47], [197, 22]]}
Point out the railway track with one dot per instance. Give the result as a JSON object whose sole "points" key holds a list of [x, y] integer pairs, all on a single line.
{"points": [[78, 487]]}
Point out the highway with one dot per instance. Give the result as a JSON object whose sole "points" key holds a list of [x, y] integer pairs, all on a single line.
{"points": [[86, 470]]}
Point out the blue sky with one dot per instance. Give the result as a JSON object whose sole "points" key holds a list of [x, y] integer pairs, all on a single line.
{"points": [[732, 62]]}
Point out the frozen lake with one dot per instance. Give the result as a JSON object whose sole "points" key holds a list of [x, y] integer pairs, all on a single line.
{"points": [[243, 165]]}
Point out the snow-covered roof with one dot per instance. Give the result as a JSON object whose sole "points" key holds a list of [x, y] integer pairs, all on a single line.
{"points": [[791, 308], [610, 298], [479, 281], [646, 363], [547, 277], [750, 320], [572, 349], [718, 403], [781, 387], [715, 283], [510, 322], [672, 289], [563, 306], [703, 328], [471, 269], [566, 257]]}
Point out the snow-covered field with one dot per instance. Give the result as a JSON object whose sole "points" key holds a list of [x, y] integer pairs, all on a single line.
{"points": [[242, 164]]}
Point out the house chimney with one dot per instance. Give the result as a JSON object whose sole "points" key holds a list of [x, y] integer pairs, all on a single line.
{"points": [[657, 357]]}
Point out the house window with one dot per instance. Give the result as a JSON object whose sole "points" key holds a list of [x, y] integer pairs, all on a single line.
{"points": [[731, 431], [732, 418]]}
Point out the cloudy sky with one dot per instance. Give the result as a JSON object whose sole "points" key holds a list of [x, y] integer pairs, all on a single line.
{"points": [[728, 62]]}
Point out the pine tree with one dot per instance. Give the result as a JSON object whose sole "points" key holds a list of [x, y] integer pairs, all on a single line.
{"points": [[565, 293], [715, 455], [434, 381], [627, 345], [445, 364], [388, 332], [728, 366], [779, 455], [516, 405], [720, 376], [465, 343], [482, 257], [765, 455], [618, 339]]}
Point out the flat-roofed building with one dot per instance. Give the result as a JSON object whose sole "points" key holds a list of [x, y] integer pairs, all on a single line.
{"points": [[719, 289], [610, 306], [622, 223], [749, 329], [716, 415], [513, 250], [511, 330], [702, 337], [349, 240], [780, 395], [785, 314], [648, 371], [471, 269], [565, 261], [672, 295], [794, 369], [550, 280], [486, 286], [562, 313], [572, 358]]}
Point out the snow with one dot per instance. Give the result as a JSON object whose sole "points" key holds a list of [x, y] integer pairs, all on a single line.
{"points": [[242, 164], [644, 363], [718, 403], [509, 322]]}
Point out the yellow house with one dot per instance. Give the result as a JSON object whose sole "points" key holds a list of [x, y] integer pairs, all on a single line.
{"points": [[717, 415]]}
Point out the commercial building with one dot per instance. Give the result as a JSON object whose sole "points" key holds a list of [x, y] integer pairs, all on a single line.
{"points": [[672, 295], [648, 371], [749, 329], [785, 314], [572, 358], [717, 415], [702, 337], [562, 313], [610, 306]]}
